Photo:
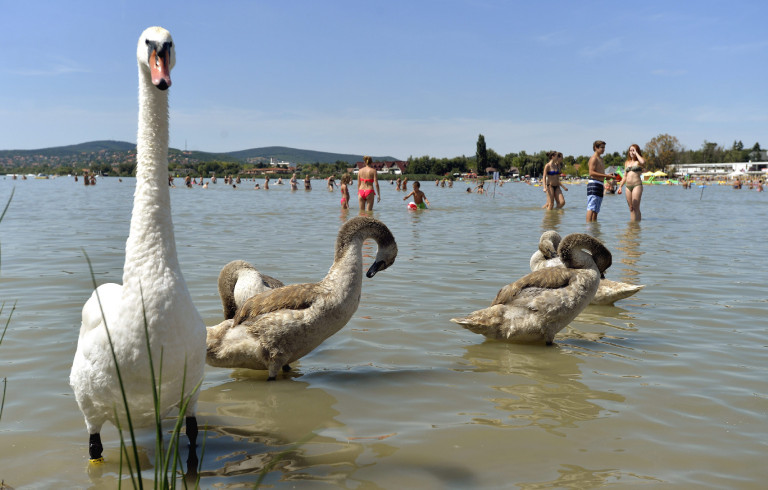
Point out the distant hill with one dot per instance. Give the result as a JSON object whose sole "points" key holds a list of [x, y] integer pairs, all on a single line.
{"points": [[92, 146], [294, 155], [278, 153]]}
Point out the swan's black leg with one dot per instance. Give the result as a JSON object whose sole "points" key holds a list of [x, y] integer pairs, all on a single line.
{"points": [[549, 342], [191, 474], [286, 368], [272, 378], [94, 447], [192, 431]]}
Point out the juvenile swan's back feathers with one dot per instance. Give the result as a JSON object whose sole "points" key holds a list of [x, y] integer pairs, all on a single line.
{"points": [[238, 281], [279, 326], [540, 304]]}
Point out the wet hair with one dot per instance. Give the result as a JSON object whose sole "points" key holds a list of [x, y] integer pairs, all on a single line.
{"points": [[637, 149], [559, 155], [367, 159], [597, 143], [551, 154], [416, 184]]}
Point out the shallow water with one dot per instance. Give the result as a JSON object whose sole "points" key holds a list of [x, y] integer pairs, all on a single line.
{"points": [[667, 388]]}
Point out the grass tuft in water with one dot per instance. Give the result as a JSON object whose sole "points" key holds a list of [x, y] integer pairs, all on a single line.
{"points": [[2, 336], [5, 328]]}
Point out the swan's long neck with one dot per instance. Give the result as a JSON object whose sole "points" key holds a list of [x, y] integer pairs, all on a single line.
{"points": [[346, 273], [151, 245], [570, 251]]}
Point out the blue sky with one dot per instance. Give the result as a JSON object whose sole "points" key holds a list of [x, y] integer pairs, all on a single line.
{"points": [[397, 78]]}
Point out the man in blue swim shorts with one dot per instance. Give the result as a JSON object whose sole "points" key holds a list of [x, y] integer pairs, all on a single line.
{"points": [[597, 176]]}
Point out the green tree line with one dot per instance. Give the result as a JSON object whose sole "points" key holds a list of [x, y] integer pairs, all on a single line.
{"points": [[661, 152]]}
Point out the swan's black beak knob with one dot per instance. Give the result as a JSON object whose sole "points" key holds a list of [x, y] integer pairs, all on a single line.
{"points": [[375, 267]]}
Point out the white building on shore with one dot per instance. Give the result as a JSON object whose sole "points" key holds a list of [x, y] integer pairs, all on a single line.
{"points": [[756, 169]]}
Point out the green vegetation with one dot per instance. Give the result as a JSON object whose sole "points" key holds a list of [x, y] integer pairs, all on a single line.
{"points": [[2, 307], [119, 159]]}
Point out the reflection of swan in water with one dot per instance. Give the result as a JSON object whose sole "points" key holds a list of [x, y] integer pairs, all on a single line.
{"points": [[238, 281], [607, 293], [301, 425], [537, 306], [551, 398], [248, 432], [282, 325]]}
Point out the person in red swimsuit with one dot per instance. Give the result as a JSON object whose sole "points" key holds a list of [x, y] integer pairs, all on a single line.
{"points": [[367, 179]]}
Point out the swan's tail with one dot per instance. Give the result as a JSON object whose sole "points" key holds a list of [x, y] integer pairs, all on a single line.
{"points": [[608, 292], [488, 322]]}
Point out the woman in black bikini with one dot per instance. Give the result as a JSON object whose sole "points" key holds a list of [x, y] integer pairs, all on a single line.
{"points": [[552, 182], [633, 181]]}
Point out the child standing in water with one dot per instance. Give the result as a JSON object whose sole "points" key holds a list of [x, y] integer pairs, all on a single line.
{"points": [[418, 197], [346, 179]]}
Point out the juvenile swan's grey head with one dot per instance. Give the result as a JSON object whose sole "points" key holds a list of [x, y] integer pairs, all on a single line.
{"points": [[549, 243], [571, 251], [363, 227]]}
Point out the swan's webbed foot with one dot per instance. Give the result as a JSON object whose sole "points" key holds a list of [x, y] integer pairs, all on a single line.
{"points": [[95, 448], [549, 342], [286, 368], [272, 378]]}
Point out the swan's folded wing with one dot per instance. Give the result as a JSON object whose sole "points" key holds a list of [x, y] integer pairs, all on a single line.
{"points": [[542, 279], [292, 297], [102, 304]]}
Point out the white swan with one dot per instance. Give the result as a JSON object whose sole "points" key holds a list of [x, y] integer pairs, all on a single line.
{"points": [[153, 286], [280, 326], [608, 292], [238, 281], [537, 306]]}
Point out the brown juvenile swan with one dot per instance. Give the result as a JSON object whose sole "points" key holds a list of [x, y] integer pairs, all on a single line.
{"points": [[238, 281], [279, 326], [537, 306], [608, 292]]}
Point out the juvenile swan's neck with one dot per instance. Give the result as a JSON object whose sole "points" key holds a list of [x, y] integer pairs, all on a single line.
{"points": [[151, 240], [346, 272], [570, 251]]}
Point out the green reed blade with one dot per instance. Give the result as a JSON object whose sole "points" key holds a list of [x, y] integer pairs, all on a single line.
{"points": [[117, 369]]}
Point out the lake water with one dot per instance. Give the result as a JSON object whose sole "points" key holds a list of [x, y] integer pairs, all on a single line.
{"points": [[668, 388]]}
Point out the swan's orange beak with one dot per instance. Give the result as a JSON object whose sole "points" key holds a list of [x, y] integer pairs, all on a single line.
{"points": [[158, 68]]}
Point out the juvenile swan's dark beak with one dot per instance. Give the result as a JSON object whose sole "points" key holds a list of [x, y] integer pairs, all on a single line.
{"points": [[376, 267]]}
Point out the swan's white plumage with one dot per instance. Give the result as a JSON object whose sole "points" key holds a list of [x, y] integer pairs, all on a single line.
{"points": [[153, 286], [279, 326], [608, 292]]}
